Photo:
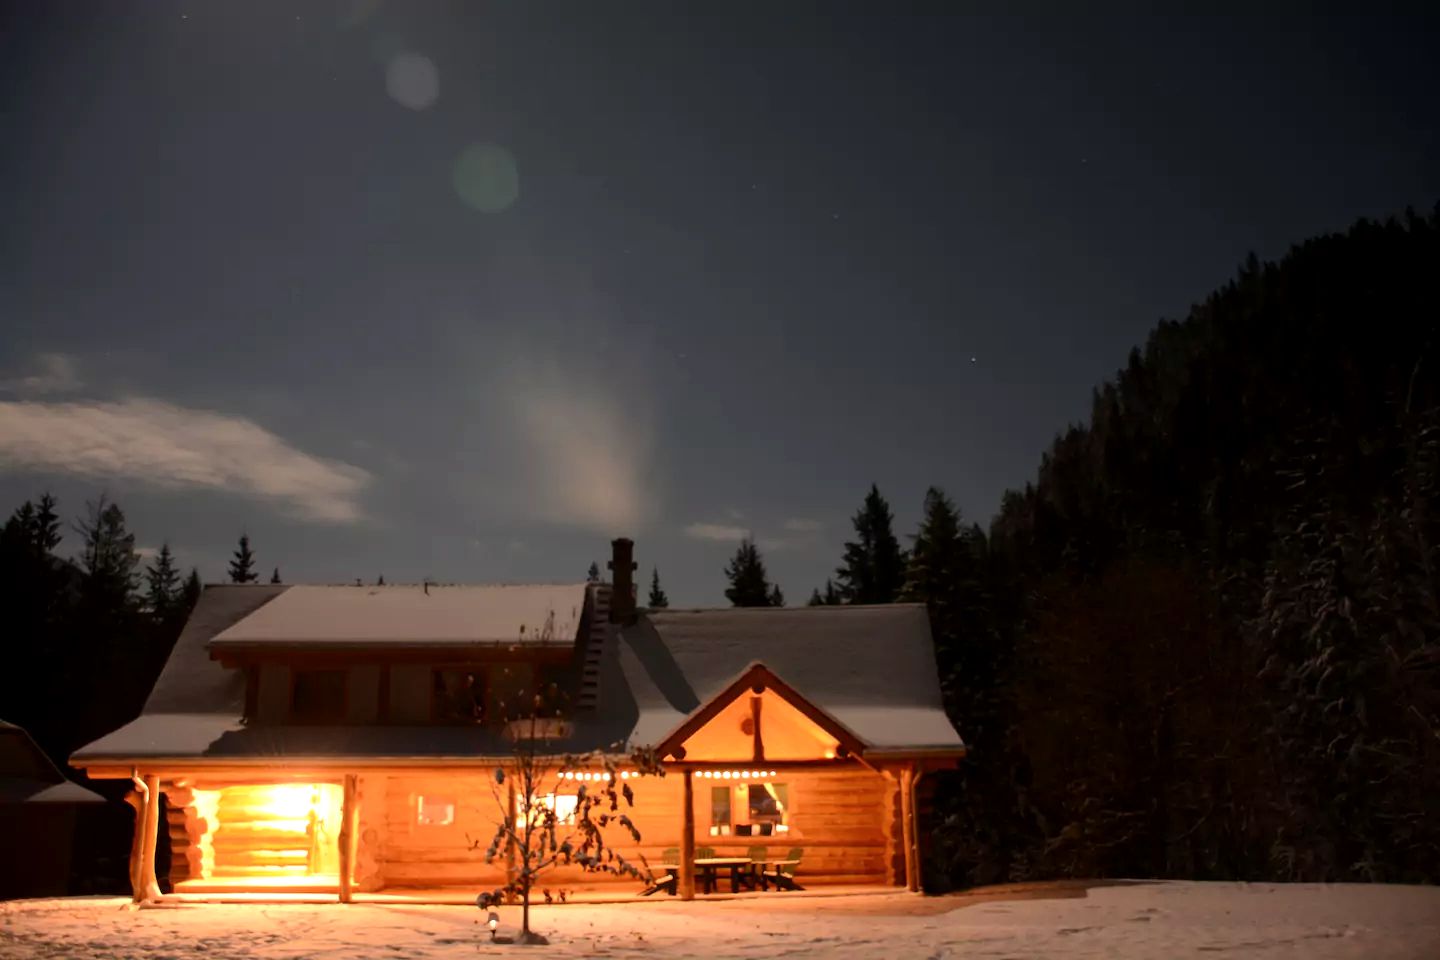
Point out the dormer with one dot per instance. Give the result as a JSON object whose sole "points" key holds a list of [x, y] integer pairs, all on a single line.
{"points": [[397, 654]]}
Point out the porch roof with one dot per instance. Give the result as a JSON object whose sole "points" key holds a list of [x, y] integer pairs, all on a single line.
{"points": [[871, 668]]}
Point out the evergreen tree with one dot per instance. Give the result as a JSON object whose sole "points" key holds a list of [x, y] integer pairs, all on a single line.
{"points": [[242, 565], [20, 528], [874, 565], [109, 558], [35, 590], [593, 576], [749, 584], [46, 527], [775, 598], [658, 600], [935, 554], [275, 577], [162, 590], [380, 580], [830, 597], [946, 572], [190, 594]]}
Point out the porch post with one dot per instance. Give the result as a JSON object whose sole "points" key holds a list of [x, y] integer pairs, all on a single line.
{"points": [[347, 839], [144, 885], [915, 827], [907, 818], [686, 881]]}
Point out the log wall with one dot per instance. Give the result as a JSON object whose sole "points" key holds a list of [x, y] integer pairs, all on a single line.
{"points": [[846, 822]]}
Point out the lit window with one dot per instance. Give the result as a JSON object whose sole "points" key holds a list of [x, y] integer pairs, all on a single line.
{"points": [[719, 811], [435, 812], [769, 807], [760, 809], [564, 805]]}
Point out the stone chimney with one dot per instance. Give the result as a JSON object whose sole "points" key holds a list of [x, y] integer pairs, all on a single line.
{"points": [[622, 579]]}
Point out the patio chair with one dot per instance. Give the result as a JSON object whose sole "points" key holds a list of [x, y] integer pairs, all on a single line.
{"points": [[703, 879], [784, 877], [671, 879], [758, 853]]}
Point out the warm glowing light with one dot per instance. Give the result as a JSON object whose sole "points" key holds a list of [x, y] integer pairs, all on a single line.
{"points": [[283, 832], [290, 801], [829, 754], [625, 775]]}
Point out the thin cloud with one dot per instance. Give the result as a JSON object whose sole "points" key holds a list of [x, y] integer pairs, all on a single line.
{"points": [[582, 452], [175, 447], [53, 373], [802, 525], [717, 532]]}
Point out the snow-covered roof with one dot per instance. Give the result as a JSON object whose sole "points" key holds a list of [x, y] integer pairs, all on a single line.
{"points": [[28, 776], [872, 668], [529, 614], [196, 706]]}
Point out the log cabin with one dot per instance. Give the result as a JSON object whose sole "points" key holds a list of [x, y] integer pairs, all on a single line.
{"points": [[39, 809], [342, 740]]}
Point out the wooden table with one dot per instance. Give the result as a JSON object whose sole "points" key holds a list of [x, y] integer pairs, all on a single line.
{"points": [[710, 869], [742, 870]]}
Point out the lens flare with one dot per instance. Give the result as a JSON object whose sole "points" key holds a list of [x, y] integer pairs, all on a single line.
{"points": [[486, 178]]}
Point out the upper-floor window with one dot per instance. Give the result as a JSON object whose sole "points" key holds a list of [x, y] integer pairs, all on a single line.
{"points": [[488, 693], [317, 696], [458, 695]]}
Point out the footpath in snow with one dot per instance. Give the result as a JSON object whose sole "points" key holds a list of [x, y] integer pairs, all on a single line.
{"points": [[1118, 922]]}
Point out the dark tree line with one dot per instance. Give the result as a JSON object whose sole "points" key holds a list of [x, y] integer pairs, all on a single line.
{"points": [[86, 633], [1205, 641]]}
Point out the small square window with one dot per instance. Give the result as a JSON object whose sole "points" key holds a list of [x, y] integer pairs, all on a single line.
{"points": [[435, 811], [719, 810]]}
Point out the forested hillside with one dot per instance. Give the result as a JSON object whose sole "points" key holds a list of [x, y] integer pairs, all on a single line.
{"points": [[1206, 640]]}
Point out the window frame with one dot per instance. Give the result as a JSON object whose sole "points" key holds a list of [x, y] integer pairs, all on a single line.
{"points": [[447, 800]]}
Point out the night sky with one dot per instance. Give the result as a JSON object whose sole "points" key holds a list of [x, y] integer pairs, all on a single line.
{"points": [[463, 290]]}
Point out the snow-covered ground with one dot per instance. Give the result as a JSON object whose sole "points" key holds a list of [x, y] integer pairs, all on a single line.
{"points": [[1126, 921]]}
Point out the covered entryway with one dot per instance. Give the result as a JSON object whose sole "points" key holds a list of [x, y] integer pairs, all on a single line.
{"points": [[774, 788]]}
